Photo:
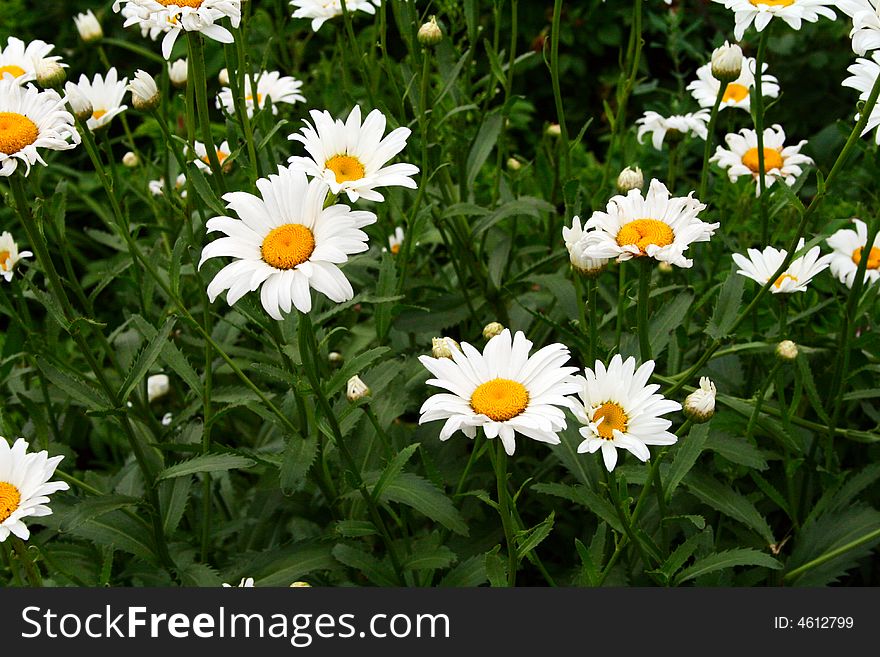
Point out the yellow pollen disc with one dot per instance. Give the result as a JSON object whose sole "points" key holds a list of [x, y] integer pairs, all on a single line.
{"points": [[346, 167], [643, 232], [9, 500], [500, 399], [221, 156], [773, 3], [873, 257], [395, 249], [287, 246], [772, 159], [97, 114], [735, 92], [613, 417], [259, 99], [16, 132], [4, 256], [195, 4], [778, 282], [15, 71]]}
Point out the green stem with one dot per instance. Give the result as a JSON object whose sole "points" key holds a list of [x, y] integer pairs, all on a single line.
{"points": [[644, 293], [707, 152], [200, 85], [758, 117], [500, 467], [557, 89], [30, 568], [831, 554], [621, 304]]}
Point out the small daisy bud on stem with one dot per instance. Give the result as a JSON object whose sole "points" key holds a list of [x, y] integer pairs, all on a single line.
{"points": [[492, 329], [88, 27], [177, 72], [300, 585], [223, 77], [130, 160], [158, 386], [50, 75], [442, 347], [356, 389], [787, 350], [553, 130], [727, 61], [699, 406], [664, 267], [335, 359], [513, 164], [144, 92], [430, 33], [630, 178]]}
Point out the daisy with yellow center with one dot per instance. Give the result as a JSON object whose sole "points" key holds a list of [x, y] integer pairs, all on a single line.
{"points": [[761, 265], [761, 12], [285, 242], [653, 225], [351, 157], [203, 162], [321, 11], [24, 487], [850, 246], [503, 390], [30, 120], [10, 256], [620, 410], [19, 60], [693, 124], [741, 157], [395, 241], [105, 93], [737, 93], [271, 86]]}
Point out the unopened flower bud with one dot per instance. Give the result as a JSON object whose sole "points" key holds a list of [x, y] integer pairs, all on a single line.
{"points": [[430, 33], [88, 27], [356, 389], [177, 72], [130, 160], [664, 267], [158, 386], [144, 92], [335, 358], [553, 130], [513, 164], [727, 61], [50, 74], [79, 103], [630, 178], [492, 329], [699, 406], [223, 77], [167, 419], [442, 347], [300, 585], [787, 350]]}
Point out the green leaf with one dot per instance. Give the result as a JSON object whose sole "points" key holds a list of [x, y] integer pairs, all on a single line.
{"points": [[727, 559], [737, 449], [726, 500], [727, 306], [424, 497], [354, 366], [528, 539], [173, 497], [526, 205], [355, 528], [83, 392], [145, 360], [686, 455], [299, 455], [373, 569], [428, 556], [469, 573], [585, 497], [496, 571], [289, 563], [206, 463], [667, 320], [94, 507], [483, 145], [385, 287], [394, 468], [680, 556]]}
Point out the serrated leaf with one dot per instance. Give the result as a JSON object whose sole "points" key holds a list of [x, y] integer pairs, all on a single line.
{"points": [[430, 557], [144, 360], [469, 573], [729, 502], [737, 449], [667, 320], [686, 455], [80, 390], [94, 507], [496, 570], [299, 455], [206, 463], [420, 494], [394, 468], [728, 559], [365, 563], [727, 306], [354, 366], [527, 540], [173, 497], [355, 528], [585, 497]]}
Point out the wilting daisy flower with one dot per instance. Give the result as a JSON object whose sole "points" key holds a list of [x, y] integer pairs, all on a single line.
{"points": [[271, 85], [175, 16], [761, 265], [761, 12], [9, 255], [321, 11], [654, 225], [20, 61], [693, 124], [849, 249], [157, 187], [864, 75], [576, 245], [245, 583], [105, 95], [737, 93], [31, 119], [740, 158], [24, 486], [350, 157], [503, 390], [866, 23], [286, 241], [620, 410], [395, 240], [202, 160]]}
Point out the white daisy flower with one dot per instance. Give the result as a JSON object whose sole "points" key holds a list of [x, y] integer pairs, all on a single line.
{"points": [[202, 160], [866, 23], [781, 162], [19, 61], [693, 124], [503, 390], [351, 157], [271, 85], [395, 240], [286, 241], [737, 93], [620, 410], [653, 225], [157, 187], [245, 583], [761, 12], [88, 27], [105, 95], [849, 247], [321, 11], [176, 16], [576, 245], [864, 75], [9, 255], [24, 486], [31, 119], [144, 92], [761, 265], [699, 406]]}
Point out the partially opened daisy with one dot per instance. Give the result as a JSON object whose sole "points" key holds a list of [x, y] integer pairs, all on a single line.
{"points": [[271, 85], [653, 225], [19, 60], [737, 93], [395, 240], [576, 244], [30, 120], [503, 390], [176, 16], [157, 187], [781, 162], [202, 160], [620, 410], [678, 125], [24, 487], [864, 75], [10, 256], [761, 265], [761, 12], [286, 241], [105, 94], [849, 249], [866, 23], [321, 11], [351, 157]]}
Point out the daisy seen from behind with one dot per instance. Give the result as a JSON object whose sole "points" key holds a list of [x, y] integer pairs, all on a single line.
{"points": [[351, 157], [320, 11], [10, 256], [25, 486], [19, 60], [738, 93], [504, 390], [761, 265], [285, 242], [864, 74], [849, 248], [761, 12], [271, 85], [653, 225], [693, 124], [105, 93], [620, 410]]}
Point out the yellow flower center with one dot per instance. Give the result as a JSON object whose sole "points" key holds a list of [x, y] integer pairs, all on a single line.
{"points": [[9, 500], [288, 246], [613, 417], [220, 157], [643, 232], [346, 167], [15, 71], [16, 132], [500, 399], [735, 92], [259, 99], [195, 4], [97, 114], [772, 159], [4, 256], [873, 257], [395, 249], [773, 3], [779, 281]]}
